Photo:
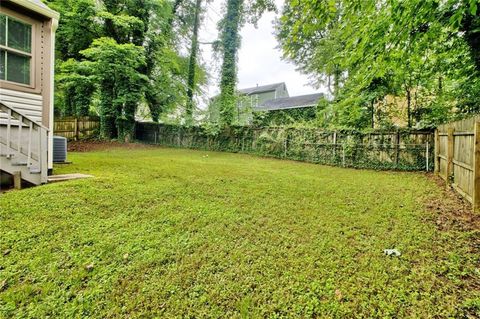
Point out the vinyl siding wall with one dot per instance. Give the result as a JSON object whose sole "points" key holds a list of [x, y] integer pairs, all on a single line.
{"points": [[262, 97], [28, 104], [36, 102]]}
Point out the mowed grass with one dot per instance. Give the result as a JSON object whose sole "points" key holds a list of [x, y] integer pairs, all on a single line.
{"points": [[178, 233]]}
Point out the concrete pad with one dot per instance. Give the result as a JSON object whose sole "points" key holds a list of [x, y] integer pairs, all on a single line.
{"points": [[66, 177]]}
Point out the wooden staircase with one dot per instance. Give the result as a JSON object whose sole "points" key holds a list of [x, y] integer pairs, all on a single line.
{"points": [[23, 146]]}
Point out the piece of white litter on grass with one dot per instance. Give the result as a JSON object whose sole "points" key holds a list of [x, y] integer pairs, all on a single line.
{"points": [[392, 252]]}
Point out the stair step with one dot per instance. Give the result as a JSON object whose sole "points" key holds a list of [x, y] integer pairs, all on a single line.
{"points": [[20, 164], [35, 170]]}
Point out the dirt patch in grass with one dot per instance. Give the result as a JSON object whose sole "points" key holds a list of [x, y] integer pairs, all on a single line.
{"points": [[99, 145], [452, 211]]}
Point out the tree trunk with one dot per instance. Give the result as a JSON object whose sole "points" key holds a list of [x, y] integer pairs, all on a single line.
{"points": [[230, 43], [171, 19], [193, 64], [336, 81], [409, 108], [471, 28], [373, 113], [70, 109]]}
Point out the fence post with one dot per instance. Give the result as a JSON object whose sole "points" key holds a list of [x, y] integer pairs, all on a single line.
{"points": [[343, 155], [161, 135], [334, 147], [476, 169], [75, 125], [450, 150], [436, 160], [427, 156], [17, 180], [397, 148]]}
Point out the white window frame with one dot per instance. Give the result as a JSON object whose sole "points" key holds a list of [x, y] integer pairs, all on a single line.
{"points": [[33, 55]]}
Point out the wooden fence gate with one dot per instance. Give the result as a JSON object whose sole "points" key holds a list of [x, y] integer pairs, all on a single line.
{"points": [[457, 157]]}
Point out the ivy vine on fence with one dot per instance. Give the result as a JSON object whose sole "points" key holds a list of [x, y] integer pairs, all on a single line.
{"points": [[400, 150]]}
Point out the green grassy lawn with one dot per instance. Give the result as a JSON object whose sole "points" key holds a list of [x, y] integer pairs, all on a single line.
{"points": [[178, 233]]}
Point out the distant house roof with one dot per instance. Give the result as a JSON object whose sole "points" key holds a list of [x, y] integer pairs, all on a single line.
{"points": [[290, 102], [261, 89]]}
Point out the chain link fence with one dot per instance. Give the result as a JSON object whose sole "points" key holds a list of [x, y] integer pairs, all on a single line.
{"points": [[400, 150]]}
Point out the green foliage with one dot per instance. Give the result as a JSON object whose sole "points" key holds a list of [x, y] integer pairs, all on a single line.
{"points": [[117, 70], [375, 149], [77, 82], [153, 82], [212, 116], [77, 27], [286, 117], [230, 40], [178, 233], [192, 64], [76, 31], [121, 27], [243, 112], [423, 51], [236, 13]]}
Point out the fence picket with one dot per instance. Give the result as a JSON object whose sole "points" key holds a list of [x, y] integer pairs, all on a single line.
{"points": [[457, 158], [76, 128], [476, 169]]}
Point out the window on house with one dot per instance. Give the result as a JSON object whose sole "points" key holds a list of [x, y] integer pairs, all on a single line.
{"points": [[15, 50]]}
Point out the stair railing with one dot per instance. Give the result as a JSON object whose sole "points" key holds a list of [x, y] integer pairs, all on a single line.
{"points": [[14, 119]]}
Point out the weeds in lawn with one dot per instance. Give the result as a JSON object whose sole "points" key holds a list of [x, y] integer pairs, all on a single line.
{"points": [[174, 233]]}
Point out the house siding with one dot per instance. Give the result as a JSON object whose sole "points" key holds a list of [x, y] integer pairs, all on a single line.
{"points": [[264, 96], [28, 104], [270, 95], [35, 102], [282, 92]]}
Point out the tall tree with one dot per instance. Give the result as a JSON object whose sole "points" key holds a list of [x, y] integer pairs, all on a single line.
{"points": [[116, 67], [411, 44], [158, 84], [77, 27], [230, 43], [192, 65], [237, 13], [74, 87]]}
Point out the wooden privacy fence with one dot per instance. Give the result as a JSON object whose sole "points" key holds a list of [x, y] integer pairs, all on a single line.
{"points": [[75, 128], [457, 157]]}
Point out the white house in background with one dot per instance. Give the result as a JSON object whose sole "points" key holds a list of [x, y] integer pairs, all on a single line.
{"points": [[27, 41]]}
